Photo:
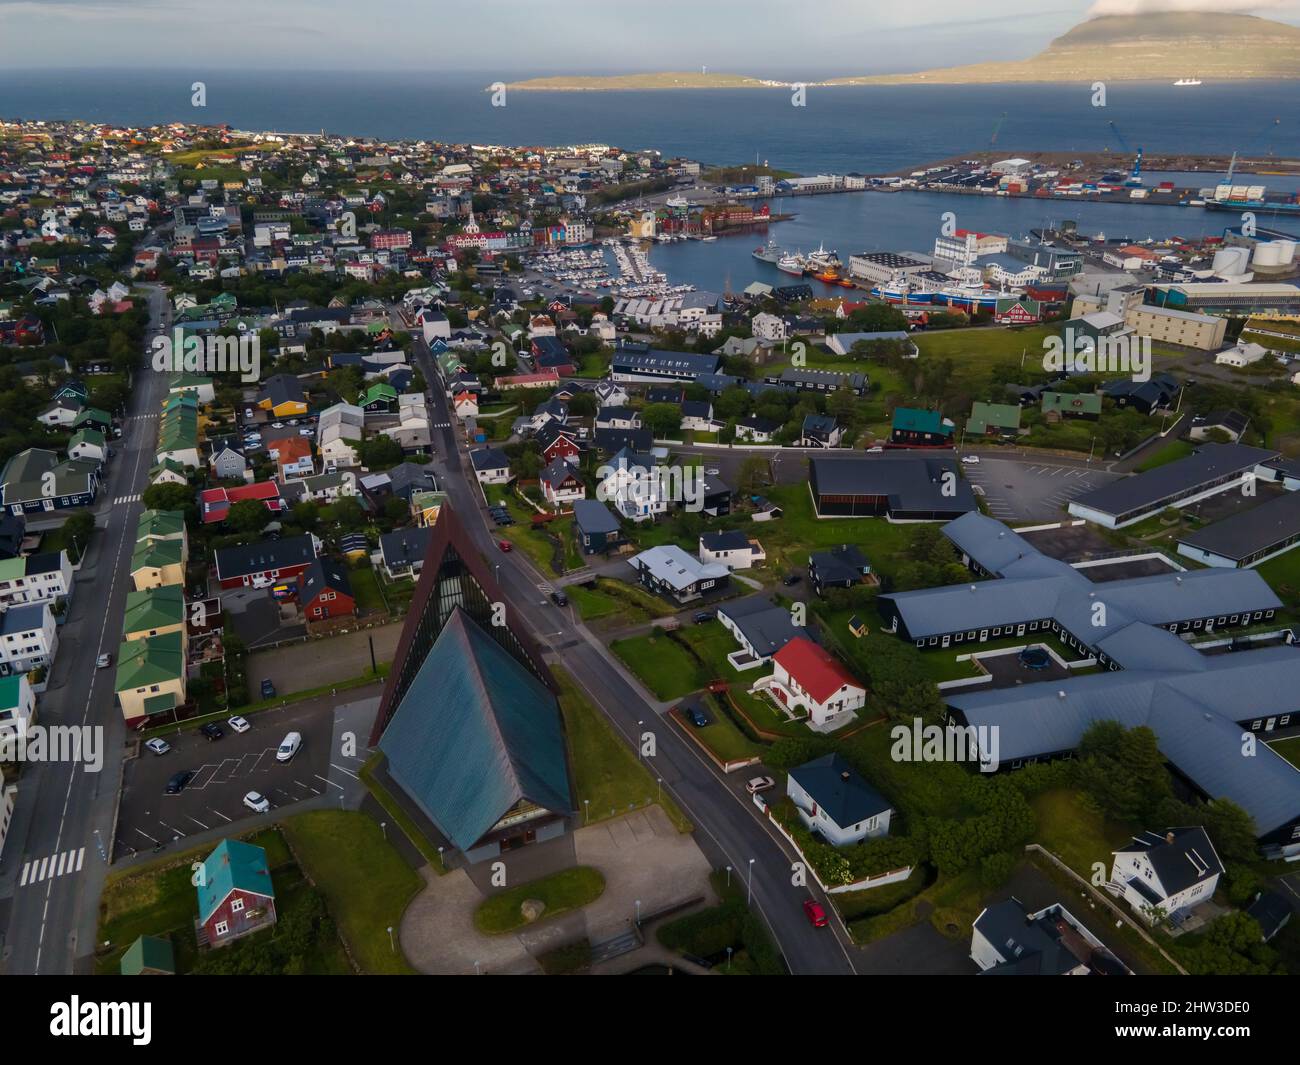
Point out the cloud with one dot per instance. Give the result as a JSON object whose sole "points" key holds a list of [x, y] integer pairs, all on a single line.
{"points": [[1147, 7]]}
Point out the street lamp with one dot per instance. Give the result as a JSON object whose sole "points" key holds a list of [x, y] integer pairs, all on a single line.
{"points": [[638, 913], [728, 876], [749, 887], [659, 781], [391, 942], [586, 811], [383, 827], [729, 959], [639, 723]]}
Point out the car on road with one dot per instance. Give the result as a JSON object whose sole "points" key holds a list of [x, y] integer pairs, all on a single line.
{"points": [[559, 598], [703, 616], [103, 661], [505, 545], [815, 913], [177, 781], [158, 746], [712, 471], [791, 578], [289, 746], [268, 689], [972, 460], [277, 425], [238, 724], [756, 784], [211, 731], [694, 715], [1035, 658], [877, 450], [257, 802], [306, 432]]}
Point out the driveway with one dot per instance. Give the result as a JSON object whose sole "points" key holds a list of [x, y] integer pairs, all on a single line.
{"points": [[1032, 491], [642, 856]]}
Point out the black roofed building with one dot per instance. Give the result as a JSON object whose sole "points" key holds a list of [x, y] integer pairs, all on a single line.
{"points": [[1249, 537], [261, 564], [1161, 874], [834, 801], [1008, 940], [597, 528], [635, 362], [900, 486], [760, 627], [842, 566], [403, 550]]}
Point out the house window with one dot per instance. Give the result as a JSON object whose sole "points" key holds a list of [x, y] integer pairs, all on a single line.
{"points": [[236, 905], [221, 928], [1254, 725]]}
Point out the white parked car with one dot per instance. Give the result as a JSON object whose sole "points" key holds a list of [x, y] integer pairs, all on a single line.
{"points": [[238, 724], [757, 784], [103, 661], [158, 746], [289, 746], [257, 802], [973, 459], [712, 471]]}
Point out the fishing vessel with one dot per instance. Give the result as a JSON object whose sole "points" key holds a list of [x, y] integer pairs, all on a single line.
{"points": [[770, 254], [791, 263], [821, 259], [1188, 81]]}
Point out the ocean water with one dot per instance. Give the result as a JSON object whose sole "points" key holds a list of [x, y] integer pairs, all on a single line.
{"points": [[877, 129], [871, 129]]}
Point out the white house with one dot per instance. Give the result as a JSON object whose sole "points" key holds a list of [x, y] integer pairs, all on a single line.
{"points": [[1006, 939], [768, 327], [39, 578], [1243, 353], [1159, 874], [631, 484], [465, 404], [561, 484], [17, 705], [336, 426], [836, 803], [697, 414], [756, 429], [27, 638], [807, 676], [732, 549], [490, 466]]}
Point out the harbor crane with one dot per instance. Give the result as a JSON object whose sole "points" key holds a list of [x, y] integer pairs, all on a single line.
{"points": [[1135, 175]]}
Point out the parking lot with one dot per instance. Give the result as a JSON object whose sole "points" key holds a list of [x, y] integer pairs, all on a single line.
{"points": [[227, 769], [1031, 491]]}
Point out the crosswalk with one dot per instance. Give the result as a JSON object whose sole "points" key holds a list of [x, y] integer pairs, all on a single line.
{"points": [[117, 502], [60, 864], [442, 425]]}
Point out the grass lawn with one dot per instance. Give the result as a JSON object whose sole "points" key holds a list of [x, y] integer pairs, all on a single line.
{"points": [[1170, 451], [160, 899], [1074, 832], [1282, 574], [569, 889], [723, 736], [1289, 749], [365, 882], [398, 813], [915, 788], [606, 772], [365, 588], [662, 665], [592, 603], [712, 643]]}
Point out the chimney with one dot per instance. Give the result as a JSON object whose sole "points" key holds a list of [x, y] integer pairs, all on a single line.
{"points": [[845, 777]]}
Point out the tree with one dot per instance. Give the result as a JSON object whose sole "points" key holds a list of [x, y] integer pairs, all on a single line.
{"points": [[169, 496], [663, 420], [247, 516], [1123, 771], [77, 531], [754, 475], [379, 453]]}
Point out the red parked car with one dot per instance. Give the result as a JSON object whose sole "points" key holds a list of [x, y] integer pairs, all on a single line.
{"points": [[815, 913], [505, 545]]}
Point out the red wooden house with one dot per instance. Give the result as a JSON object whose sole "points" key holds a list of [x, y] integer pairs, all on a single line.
{"points": [[236, 896], [324, 591]]}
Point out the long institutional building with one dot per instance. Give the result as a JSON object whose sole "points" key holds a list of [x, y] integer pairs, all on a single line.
{"points": [[1198, 705]]}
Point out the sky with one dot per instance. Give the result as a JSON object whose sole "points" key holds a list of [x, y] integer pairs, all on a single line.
{"points": [[509, 39]]}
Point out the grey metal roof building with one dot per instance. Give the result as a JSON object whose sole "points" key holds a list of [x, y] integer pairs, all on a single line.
{"points": [[1213, 468], [1197, 705], [762, 624], [839, 790]]}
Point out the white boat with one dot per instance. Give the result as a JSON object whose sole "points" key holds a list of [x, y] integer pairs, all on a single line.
{"points": [[707, 239], [790, 264], [1188, 81]]}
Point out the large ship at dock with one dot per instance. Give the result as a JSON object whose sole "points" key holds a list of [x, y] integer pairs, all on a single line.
{"points": [[769, 254], [791, 263]]}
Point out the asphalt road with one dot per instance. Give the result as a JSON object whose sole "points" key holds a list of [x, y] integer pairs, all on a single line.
{"points": [[729, 829], [63, 814]]}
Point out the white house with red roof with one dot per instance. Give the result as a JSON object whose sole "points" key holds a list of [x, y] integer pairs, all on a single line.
{"points": [[807, 675]]}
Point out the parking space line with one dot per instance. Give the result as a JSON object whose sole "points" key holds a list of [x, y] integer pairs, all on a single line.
{"points": [[221, 815], [197, 822], [328, 781], [146, 835], [341, 769]]}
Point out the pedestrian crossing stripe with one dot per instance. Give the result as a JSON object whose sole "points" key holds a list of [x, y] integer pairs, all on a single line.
{"points": [[126, 499], [60, 864]]}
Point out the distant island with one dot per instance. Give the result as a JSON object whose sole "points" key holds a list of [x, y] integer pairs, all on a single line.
{"points": [[1152, 47]]}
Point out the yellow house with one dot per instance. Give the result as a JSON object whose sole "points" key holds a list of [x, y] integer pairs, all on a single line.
{"points": [[150, 675], [155, 612], [282, 395], [156, 563]]}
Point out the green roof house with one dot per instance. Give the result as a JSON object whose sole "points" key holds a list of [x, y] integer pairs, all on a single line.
{"points": [[235, 893], [920, 428], [993, 419], [154, 611], [149, 956], [151, 675], [1072, 404]]}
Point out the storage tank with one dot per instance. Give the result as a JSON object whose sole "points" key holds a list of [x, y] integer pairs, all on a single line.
{"points": [[1228, 261], [1268, 254], [1286, 249]]}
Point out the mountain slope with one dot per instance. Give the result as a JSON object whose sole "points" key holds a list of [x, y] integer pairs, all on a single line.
{"points": [[1152, 47]]}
